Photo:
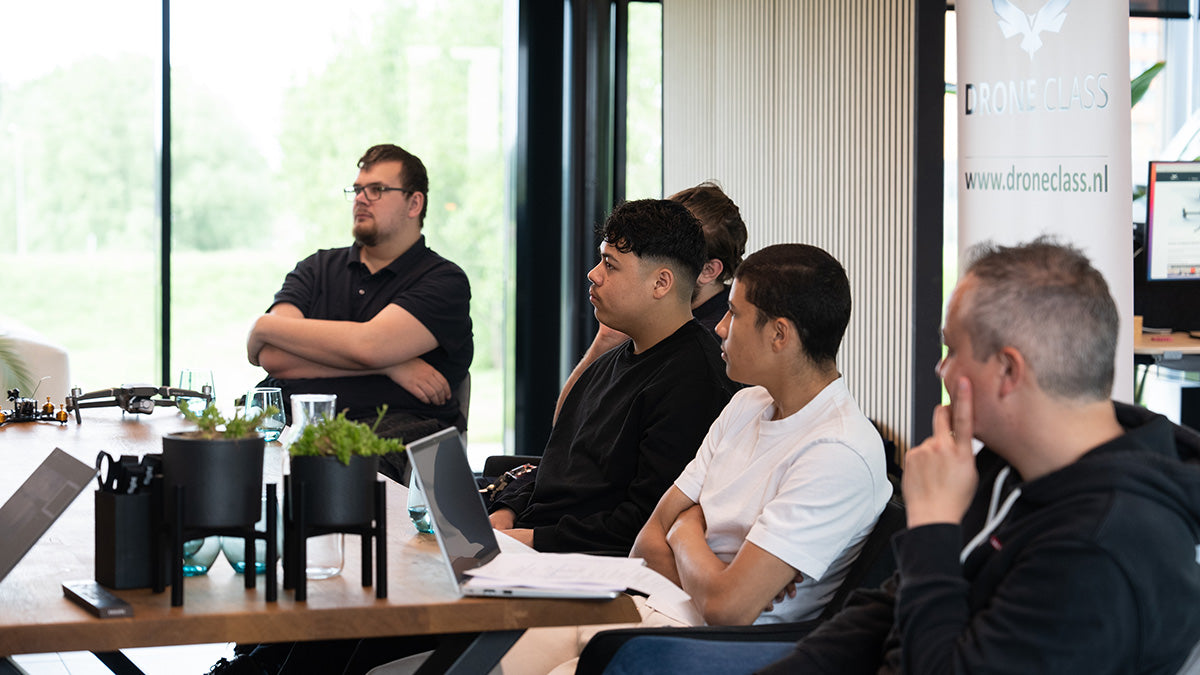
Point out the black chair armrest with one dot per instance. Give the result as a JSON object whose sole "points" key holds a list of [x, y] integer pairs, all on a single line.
{"points": [[496, 465], [875, 563]]}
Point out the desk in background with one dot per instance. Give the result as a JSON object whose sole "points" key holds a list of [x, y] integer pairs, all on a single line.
{"points": [[1170, 358], [36, 618]]}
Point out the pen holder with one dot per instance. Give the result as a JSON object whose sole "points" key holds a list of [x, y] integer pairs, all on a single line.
{"points": [[125, 539]]}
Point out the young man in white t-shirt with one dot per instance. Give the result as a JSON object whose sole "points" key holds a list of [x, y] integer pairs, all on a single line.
{"points": [[763, 524]]}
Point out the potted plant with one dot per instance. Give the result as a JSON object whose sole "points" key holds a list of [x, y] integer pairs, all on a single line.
{"points": [[337, 460], [219, 465]]}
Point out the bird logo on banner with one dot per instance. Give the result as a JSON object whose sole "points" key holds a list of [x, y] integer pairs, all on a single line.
{"points": [[1015, 22]]}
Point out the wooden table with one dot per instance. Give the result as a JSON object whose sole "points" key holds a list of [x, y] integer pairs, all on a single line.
{"points": [[36, 618], [1166, 347]]}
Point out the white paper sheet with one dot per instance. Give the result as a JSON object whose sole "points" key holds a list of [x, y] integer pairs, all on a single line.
{"points": [[557, 570]]}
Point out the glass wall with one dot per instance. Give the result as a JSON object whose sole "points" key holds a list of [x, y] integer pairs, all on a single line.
{"points": [[79, 226], [272, 103], [643, 143]]}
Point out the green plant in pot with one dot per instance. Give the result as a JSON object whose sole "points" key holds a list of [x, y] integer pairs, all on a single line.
{"points": [[337, 460], [219, 465]]}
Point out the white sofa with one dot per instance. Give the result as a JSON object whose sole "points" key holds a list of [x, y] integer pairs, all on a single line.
{"points": [[42, 358]]}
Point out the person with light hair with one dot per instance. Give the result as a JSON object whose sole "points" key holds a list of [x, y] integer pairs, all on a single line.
{"points": [[1067, 545]]}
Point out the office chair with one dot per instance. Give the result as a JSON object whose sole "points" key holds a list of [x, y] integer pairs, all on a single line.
{"points": [[875, 563]]}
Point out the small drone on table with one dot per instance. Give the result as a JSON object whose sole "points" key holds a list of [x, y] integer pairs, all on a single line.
{"points": [[26, 410], [134, 398]]}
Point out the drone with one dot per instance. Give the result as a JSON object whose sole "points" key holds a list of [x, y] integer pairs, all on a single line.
{"points": [[133, 398], [26, 410]]}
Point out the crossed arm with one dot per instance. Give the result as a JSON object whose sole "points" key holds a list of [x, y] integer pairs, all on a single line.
{"points": [[290, 346], [504, 518], [673, 544]]}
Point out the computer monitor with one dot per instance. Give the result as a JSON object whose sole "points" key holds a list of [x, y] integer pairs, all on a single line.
{"points": [[1173, 222], [1167, 282]]}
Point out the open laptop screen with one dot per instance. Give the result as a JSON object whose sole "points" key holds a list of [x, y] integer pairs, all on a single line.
{"points": [[40, 500], [459, 517]]}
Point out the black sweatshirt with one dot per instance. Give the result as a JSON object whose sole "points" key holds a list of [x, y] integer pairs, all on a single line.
{"points": [[1093, 569]]}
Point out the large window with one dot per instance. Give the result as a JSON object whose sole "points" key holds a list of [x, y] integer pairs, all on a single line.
{"points": [[643, 143], [79, 224], [271, 103]]}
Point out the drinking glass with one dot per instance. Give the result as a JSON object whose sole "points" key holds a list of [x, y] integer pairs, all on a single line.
{"points": [[325, 553], [234, 548], [418, 510], [260, 399], [325, 556], [199, 555], [310, 408], [195, 379]]}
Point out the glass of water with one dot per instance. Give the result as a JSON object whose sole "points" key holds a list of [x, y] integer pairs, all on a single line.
{"points": [[199, 555], [418, 510], [258, 400], [195, 379]]}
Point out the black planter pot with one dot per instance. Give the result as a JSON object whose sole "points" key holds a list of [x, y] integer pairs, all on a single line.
{"points": [[335, 494], [222, 479]]}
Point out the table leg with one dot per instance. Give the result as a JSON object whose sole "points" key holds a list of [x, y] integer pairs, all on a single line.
{"points": [[118, 663], [1139, 383], [469, 653]]}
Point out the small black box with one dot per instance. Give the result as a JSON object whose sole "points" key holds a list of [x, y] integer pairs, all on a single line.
{"points": [[124, 540]]}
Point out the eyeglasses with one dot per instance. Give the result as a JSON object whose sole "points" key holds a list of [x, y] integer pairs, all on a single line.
{"points": [[374, 192]]}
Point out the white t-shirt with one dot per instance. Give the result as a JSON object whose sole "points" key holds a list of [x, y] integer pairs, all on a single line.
{"points": [[806, 489]]}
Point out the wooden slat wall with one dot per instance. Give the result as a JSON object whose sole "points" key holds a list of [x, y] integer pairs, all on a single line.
{"points": [[803, 111]]}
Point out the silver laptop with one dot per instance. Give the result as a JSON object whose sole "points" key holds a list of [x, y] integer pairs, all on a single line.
{"points": [[460, 521], [40, 500]]}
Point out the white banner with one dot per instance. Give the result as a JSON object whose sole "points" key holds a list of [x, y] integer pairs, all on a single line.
{"points": [[1043, 135]]}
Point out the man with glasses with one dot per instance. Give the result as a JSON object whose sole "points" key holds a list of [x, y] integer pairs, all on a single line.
{"points": [[383, 321]]}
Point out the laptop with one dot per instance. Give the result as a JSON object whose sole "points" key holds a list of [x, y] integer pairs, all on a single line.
{"points": [[460, 521], [40, 500]]}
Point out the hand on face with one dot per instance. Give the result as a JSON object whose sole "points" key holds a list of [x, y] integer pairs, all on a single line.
{"points": [[939, 475]]}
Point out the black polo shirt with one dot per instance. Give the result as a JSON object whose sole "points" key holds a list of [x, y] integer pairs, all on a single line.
{"points": [[334, 284]]}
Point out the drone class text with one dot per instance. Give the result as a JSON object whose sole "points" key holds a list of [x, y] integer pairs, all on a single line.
{"points": [[1054, 94]]}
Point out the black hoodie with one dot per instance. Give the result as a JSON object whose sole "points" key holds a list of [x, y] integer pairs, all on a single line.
{"points": [[1090, 569]]}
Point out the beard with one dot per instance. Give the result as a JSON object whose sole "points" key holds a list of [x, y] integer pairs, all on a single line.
{"points": [[365, 237]]}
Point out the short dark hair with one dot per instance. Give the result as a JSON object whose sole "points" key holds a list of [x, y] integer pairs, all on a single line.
{"points": [[412, 176], [660, 230], [724, 232], [804, 285], [1046, 299]]}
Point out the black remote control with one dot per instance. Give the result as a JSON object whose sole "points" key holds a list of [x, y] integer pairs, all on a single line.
{"points": [[96, 599]]}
